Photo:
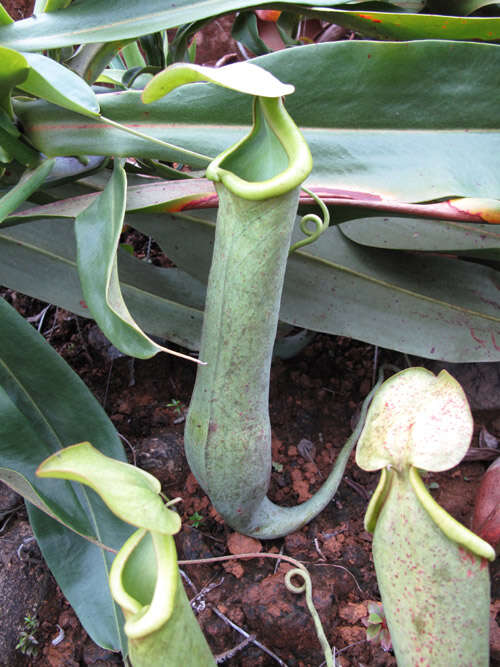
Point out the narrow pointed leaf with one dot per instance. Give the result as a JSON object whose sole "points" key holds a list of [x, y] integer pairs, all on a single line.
{"points": [[397, 26], [154, 197], [424, 234], [30, 182], [98, 230], [45, 407], [51, 81]]}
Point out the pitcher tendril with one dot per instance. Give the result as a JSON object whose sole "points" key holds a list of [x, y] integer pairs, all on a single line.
{"points": [[307, 587], [321, 224]]}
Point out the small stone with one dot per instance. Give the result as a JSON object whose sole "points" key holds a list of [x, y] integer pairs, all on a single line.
{"points": [[352, 634], [191, 484], [235, 568], [333, 546], [301, 488], [342, 661], [241, 544], [125, 407], [352, 612]]}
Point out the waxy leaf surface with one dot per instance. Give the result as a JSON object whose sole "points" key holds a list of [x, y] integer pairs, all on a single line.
{"points": [[130, 493], [408, 301], [377, 141], [408, 233], [95, 21]]}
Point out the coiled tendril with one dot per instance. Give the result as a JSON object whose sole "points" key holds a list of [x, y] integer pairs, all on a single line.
{"points": [[320, 224], [307, 587]]}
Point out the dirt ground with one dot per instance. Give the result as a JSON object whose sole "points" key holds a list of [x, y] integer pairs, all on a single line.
{"points": [[314, 397], [313, 404]]}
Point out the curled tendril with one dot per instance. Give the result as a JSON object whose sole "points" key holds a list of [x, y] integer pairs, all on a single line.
{"points": [[320, 223], [307, 587]]}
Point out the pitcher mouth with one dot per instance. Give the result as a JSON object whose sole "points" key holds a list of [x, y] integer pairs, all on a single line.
{"points": [[271, 160]]}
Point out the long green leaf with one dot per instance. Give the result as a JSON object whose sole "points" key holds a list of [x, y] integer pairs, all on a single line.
{"points": [[397, 26], [196, 193], [30, 182], [425, 235], [44, 406], [11, 147], [434, 307], [96, 21], [379, 118], [91, 59], [5, 18], [150, 196], [14, 70], [39, 259], [51, 81], [98, 230]]}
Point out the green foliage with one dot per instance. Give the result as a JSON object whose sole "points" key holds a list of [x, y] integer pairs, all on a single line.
{"points": [[27, 643], [196, 519], [405, 142], [176, 405], [42, 412], [144, 578], [376, 625]]}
